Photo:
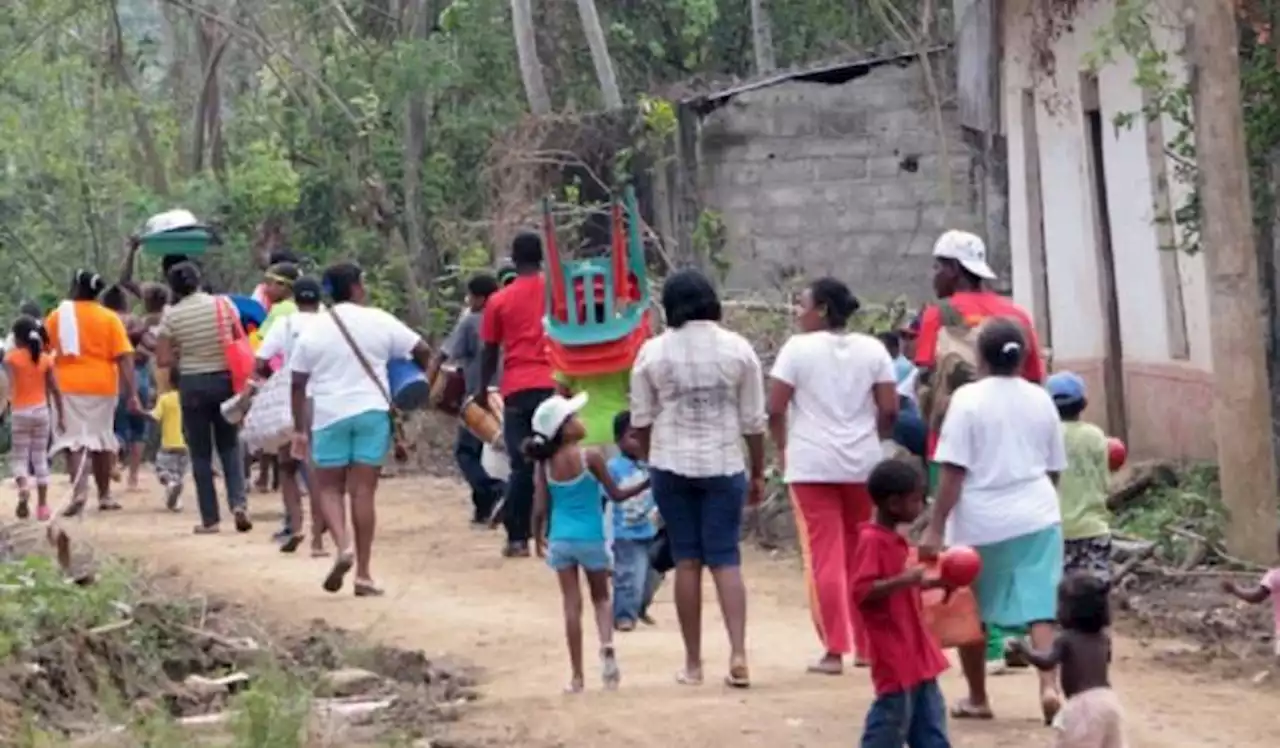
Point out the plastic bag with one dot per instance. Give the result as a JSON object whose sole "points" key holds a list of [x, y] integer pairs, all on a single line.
{"points": [[954, 620]]}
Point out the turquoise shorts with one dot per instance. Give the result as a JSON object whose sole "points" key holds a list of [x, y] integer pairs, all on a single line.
{"points": [[1018, 584], [362, 439]]}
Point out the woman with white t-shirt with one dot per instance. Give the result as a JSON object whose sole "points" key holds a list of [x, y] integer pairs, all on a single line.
{"points": [[340, 361], [1000, 451], [831, 401]]}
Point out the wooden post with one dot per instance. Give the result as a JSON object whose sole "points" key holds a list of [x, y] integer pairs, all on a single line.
{"points": [[1242, 398]]}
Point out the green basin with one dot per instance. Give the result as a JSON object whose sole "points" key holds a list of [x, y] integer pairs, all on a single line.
{"points": [[193, 241]]}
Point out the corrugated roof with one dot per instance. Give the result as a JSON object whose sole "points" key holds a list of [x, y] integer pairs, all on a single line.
{"points": [[833, 73]]}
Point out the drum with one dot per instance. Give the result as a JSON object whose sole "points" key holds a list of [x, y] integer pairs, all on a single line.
{"points": [[448, 390], [485, 424]]}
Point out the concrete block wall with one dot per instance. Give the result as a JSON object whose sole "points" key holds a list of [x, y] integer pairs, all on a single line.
{"points": [[842, 179]]}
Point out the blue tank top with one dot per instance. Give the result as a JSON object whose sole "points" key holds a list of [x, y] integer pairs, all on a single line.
{"points": [[577, 513]]}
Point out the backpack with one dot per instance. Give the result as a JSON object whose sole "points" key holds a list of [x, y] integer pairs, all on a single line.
{"points": [[955, 364]]}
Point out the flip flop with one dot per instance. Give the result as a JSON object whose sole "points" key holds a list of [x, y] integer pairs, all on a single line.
{"points": [[739, 676], [341, 565], [109, 504], [368, 589], [319, 553], [611, 674], [24, 508], [824, 668], [963, 709], [687, 677], [291, 543]]}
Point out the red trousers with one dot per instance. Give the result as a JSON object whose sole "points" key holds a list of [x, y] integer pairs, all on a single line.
{"points": [[827, 517]]}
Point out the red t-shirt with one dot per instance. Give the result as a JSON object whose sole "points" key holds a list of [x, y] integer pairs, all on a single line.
{"points": [[903, 652], [976, 306], [513, 320]]}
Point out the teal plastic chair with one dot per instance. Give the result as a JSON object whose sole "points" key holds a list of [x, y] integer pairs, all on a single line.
{"points": [[621, 310]]}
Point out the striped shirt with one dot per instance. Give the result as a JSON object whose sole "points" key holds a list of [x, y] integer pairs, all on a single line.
{"points": [[191, 326], [700, 387]]}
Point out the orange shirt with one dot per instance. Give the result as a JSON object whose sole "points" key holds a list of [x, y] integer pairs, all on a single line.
{"points": [[27, 385], [103, 340]]}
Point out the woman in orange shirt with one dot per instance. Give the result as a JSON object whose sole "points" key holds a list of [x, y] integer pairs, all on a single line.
{"points": [[92, 360], [32, 386]]}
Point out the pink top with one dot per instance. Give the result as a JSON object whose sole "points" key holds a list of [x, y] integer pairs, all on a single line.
{"points": [[1271, 581]]}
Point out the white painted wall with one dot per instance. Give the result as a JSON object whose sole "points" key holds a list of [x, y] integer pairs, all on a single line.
{"points": [[1075, 308]]}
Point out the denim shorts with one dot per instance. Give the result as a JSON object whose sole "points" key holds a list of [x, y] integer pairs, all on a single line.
{"points": [[130, 428], [362, 439], [592, 555], [703, 516]]}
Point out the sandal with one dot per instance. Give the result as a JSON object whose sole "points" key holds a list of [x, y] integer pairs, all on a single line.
{"points": [[75, 507], [319, 552], [24, 508], [108, 504], [368, 589], [207, 529], [341, 565], [689, 677], [965, 709], [739, 676], [575, 687], [291, 543], [826, 666]]}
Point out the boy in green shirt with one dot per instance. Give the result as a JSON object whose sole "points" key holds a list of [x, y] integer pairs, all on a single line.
{"points": [[1082, 487]]}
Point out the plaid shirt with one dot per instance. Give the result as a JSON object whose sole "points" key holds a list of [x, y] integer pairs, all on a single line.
{"points": [[701, 388]]}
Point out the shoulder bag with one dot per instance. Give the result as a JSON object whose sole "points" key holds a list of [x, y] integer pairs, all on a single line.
{"points": [[399, 443]]}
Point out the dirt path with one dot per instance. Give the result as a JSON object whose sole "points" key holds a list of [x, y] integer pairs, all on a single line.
{"points": [[449, 593]]}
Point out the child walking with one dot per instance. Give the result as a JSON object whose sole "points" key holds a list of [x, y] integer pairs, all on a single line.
{"points": [[32, 388], [1092, 717], [905, 659], [568, 481], [171, 460], [1082, 487], [1268, 588], [635, 530]]}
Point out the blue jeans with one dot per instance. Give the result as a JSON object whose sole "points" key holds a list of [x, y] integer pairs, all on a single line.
{"points": [[916, 717], [485, 491], [206, 432], [635, 581]]}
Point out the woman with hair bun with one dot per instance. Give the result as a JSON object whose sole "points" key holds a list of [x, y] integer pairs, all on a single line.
{"points": [[1001, 451], [832, 400], [92, 357]]}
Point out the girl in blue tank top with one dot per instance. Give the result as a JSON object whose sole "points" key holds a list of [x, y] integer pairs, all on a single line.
{"points": [[568, 484]]}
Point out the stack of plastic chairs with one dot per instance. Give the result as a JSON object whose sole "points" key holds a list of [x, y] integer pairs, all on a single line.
{"points": [[597, 311]]}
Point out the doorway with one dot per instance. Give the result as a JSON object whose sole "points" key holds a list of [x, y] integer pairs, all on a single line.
{"points": [[1113, 357]]}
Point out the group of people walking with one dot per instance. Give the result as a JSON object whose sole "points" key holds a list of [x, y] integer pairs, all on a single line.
{"points": [[676, 450]]}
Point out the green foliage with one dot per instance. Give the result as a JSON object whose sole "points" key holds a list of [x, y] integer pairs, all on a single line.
{"points": [[272, 713], [38, 604], [1194, 503]]}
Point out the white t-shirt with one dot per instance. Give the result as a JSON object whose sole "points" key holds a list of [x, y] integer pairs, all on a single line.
{"points": [[1005, 432], [831, 423], [284, 334], [339, 384]]}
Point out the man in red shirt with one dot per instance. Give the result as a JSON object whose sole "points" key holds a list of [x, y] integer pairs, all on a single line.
{"points": [[512, 326], [960, 271], [905, 658]]}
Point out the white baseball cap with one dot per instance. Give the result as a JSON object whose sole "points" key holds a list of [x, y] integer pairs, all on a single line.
{"points": [[967, 249], [551, 415]]}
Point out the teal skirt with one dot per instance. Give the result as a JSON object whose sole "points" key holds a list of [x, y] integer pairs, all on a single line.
{"points": [[1018, 584]]}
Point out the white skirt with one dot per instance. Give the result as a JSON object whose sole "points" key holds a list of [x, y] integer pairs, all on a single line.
{"points": [[90, 422]]}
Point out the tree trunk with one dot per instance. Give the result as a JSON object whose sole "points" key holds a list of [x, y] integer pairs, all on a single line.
{"points": [[762, 36], [535, 88], [1242, 397], [600, 54], [415, 136]]}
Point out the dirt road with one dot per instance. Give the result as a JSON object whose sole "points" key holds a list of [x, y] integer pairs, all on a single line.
{"points": [[450, 593]]}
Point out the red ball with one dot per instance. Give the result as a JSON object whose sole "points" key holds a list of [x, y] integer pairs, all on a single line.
{"points": [[1117, 453], [959, 566]]}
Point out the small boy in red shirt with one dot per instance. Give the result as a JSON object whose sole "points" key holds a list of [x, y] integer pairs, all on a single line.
{"points": [[905, 658]]}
